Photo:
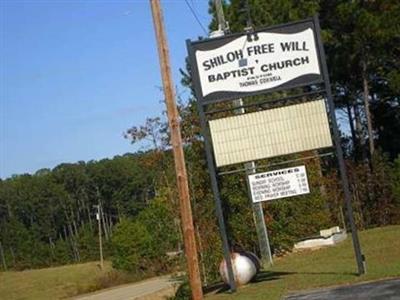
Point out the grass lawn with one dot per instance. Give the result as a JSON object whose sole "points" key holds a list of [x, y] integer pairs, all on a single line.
{"points": [[297, 271], [326, 267], [58, 282]]}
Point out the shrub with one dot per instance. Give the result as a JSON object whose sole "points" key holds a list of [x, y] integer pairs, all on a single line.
{"points": [[132, 246], [141, 245]]}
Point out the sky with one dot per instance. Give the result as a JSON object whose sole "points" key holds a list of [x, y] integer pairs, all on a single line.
{"points": [[74, 75]]}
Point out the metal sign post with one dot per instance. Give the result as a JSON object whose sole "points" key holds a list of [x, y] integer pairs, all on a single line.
{"points": [[339, 153], [258, 215], [214, 184]]}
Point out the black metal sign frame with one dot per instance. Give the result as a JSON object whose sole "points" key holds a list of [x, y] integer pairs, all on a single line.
{"points": [[214, 43], [325, 91]]}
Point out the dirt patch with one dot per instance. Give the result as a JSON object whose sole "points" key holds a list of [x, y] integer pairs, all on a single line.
{"points": [[160, 295]]}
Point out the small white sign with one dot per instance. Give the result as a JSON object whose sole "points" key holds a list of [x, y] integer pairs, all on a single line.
{"points": [[279, 184]]}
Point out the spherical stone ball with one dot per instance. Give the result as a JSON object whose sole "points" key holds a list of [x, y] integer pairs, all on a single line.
{"points": [[244, 269], [254, 258]]}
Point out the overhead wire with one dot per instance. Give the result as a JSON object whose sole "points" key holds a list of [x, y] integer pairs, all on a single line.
{"points": [[196, 17]]}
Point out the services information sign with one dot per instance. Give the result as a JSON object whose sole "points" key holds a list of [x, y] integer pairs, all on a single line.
{"points": [[279, 184], [238, 65]]}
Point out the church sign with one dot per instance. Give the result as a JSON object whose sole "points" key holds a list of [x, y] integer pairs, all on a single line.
{"points": [[249, 64]]}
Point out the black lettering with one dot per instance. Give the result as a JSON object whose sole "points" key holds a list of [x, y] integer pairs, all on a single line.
{"points": [[220, 60], [288, 63], [206, 65], [305, 60], [214, 62], [268, 48], [280, 64], [260, 49], [244, 72], [297, 61], [286, 46], [234, 73]]}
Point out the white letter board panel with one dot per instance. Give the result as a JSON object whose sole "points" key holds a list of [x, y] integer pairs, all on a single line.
{"points": [[270, 133]]}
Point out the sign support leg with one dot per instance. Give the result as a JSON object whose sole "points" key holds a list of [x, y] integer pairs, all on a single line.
{"points": [[339, 153], [259, 221], [218, 204]]}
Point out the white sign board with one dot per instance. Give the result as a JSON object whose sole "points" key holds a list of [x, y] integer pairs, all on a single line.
{"points": [[271, 61], [270, 133], [279, 184], [240, 65]]}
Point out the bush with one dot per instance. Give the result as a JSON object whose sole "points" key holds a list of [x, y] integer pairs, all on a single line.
{"points": [[395, 179], [183, 292], [375, 191], [132, 246], [141, 245]]}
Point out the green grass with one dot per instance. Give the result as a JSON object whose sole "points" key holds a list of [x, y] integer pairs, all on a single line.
{"points": [[297, 271], [58, 282], [326, 267]]}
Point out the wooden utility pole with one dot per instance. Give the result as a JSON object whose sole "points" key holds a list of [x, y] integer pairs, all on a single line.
{"points": [[177, 148], [98, 217]]}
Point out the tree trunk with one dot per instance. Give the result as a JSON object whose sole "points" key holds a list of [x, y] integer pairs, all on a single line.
{"points": [[75, 228], [13, 255], [3, 259], [119, 211], [10, 215], [352, 129], [110, 224], [107, 223], [203, 266], [52, 247], [366, 105], [73, 243], [65, 233], [106, 235], [359, 132], [89, 218]]}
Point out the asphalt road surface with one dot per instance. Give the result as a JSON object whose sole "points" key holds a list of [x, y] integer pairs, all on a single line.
{"points": [[378, 290], [132, 291]]}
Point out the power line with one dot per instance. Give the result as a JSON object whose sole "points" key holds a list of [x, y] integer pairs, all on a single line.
{"points": [[196, 17]]}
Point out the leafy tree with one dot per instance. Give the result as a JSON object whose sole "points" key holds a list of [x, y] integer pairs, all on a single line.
{"points": [[141, 245], [361, 38], [131, 246], [52, 210]]}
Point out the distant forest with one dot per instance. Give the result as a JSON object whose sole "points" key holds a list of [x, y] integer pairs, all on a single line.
{"points": [[48, 218]]}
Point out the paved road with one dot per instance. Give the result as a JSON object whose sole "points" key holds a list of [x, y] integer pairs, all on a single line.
{"points": [[132, 291], [378, 290]]}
